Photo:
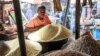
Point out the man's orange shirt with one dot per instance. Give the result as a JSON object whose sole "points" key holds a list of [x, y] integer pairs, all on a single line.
{"points": [[37, 22]]}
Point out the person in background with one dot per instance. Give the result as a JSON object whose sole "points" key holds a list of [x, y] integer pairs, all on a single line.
{"points": [[29, 12], [48, 6], [39, 21], [72, 18], [58, 15]]}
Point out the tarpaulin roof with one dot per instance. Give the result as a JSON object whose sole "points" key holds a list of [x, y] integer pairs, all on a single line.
{"points": [[30, 1], [34, 1], [98, 0]]}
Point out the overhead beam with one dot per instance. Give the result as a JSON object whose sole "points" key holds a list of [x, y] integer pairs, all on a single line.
{"points": [[6, 2]]}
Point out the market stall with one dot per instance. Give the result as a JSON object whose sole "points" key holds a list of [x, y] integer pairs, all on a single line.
{"points": [[50, 37]]}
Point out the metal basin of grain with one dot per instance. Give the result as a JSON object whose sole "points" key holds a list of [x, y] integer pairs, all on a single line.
{"points": [[51, 37]]}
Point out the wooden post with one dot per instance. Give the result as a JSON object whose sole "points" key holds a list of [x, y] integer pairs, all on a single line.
{"points": [[19, 27], [77, 23], [57, 5], [67, 6]]}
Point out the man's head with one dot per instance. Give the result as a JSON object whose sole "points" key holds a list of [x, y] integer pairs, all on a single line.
{"points": [[41, 11]]}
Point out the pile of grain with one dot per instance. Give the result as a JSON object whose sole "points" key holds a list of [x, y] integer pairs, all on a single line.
{"points": [[85, 44], [49, 33], [32, 48], [65, 53]]}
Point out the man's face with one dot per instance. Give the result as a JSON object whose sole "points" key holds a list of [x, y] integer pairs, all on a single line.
{"points": [[41, 13]]}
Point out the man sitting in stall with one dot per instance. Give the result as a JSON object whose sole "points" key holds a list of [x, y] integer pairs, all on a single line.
{"points": [[39, 21]]}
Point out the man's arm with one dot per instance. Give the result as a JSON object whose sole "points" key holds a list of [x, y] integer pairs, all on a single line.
{"points": [[27, 29]]}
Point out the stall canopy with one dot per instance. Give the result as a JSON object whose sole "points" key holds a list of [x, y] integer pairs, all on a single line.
{"points": [[34, 1], [31, 1]]}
